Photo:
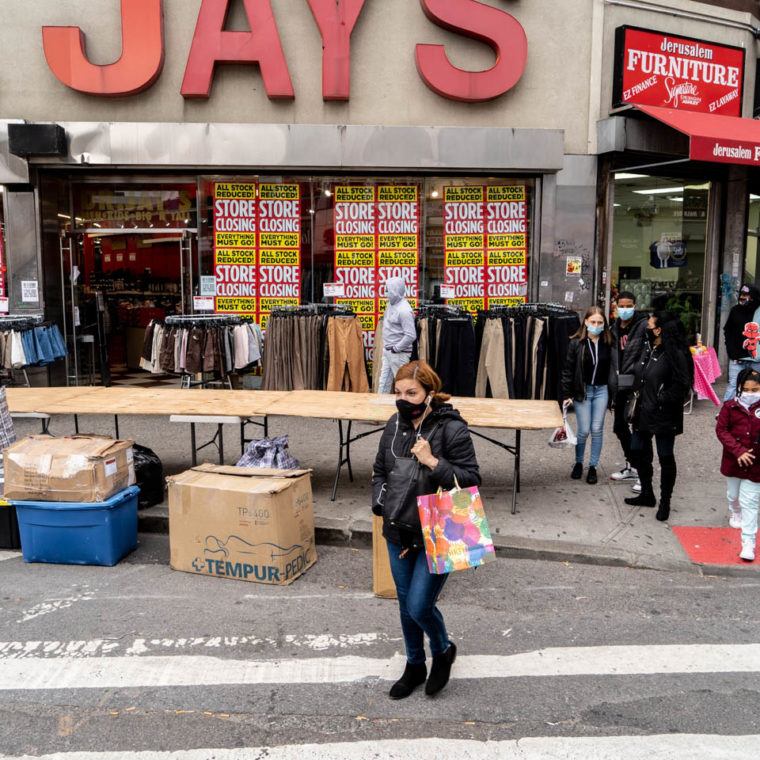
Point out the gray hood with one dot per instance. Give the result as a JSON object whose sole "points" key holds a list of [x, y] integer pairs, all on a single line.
{"points": [[396, 289]]}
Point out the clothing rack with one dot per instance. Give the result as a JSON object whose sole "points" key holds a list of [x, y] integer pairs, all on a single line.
{"points": [[19, 321], [443, 311], [534, 309], [191, 320], [44, 352], [314, 309]]}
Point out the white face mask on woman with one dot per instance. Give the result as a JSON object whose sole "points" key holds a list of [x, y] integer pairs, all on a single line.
{"points": [[746, 399]]}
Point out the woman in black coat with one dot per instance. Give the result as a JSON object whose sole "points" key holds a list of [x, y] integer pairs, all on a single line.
{"points": [[664, 378], [423, 447]]}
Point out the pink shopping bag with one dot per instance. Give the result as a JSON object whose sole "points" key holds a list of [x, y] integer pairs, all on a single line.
{"points": [[455, 530]]}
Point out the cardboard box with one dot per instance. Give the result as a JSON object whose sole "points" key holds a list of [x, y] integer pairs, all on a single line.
{"points": [[242, 522], [382, 579], [83, 468]]}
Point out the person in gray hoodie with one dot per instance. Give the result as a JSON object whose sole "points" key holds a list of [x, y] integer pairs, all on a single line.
{"points": [[399, 333]]}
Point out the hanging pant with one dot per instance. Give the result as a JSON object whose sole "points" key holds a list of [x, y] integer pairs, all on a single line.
{"points": [[346, 345], [491, 365]]}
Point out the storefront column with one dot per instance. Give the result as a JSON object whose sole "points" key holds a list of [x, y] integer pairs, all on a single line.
{"points": [[572, 223], [723, 293]]}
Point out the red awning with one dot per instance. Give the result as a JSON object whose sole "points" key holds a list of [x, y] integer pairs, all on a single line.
{"points": [[721, 139]]}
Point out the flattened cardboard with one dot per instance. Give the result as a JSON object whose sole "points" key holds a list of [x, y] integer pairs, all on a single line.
{"points": [[242, 523], [83, 468]]}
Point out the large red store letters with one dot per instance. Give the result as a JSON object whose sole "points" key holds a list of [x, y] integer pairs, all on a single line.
{"points": [[142, 53], [142, 56]]}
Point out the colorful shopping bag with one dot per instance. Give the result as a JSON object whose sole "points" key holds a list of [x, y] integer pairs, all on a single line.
{"points": [[455, 529]]}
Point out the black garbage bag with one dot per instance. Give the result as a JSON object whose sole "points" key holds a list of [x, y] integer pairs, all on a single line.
{"points": [[149, 473]]}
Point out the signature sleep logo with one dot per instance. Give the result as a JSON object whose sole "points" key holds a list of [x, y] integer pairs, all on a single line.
{"points": [[199, 565]]}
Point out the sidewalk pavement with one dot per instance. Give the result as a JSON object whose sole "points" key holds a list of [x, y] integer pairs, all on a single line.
{"points": [[557, 518]]}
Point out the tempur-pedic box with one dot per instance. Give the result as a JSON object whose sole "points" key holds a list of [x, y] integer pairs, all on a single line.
{"points": [[82, 468], [245, 523]]}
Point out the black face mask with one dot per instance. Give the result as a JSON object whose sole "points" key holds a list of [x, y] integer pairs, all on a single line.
{"points": [[408, 411], [651, 337]]}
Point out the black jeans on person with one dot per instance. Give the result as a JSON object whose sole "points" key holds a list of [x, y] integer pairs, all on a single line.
{"points": [[642, 457], [621, 428]]}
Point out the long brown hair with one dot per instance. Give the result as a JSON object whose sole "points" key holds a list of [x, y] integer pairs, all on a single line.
{"points": [[582, 333], [426, 376]]}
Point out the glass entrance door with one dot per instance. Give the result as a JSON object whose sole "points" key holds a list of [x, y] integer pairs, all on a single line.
{"points": [[114, 284], [659, 239]]}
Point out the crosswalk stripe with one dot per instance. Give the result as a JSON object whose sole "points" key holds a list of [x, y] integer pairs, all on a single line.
{"points": [[9, 555], [198, 670], [655, 747]]}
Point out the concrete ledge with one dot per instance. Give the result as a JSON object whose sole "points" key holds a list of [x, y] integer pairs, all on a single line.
{"points": [[337, 531]]}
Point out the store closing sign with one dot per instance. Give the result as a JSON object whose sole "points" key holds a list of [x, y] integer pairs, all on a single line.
{"points": [[485, 245], [377, 236], [257, 247], [142, 58]]}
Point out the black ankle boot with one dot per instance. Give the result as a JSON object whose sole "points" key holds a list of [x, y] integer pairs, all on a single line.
{"points": [[414, 676], [645, 499], [439, 673], [591, 476], [663, 512], [577, 472]]}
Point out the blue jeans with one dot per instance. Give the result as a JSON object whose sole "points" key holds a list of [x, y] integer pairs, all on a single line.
{"points": [[417, 590], [589, 415], [734, 368]]}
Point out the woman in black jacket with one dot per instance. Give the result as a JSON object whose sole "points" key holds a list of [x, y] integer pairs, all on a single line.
{"points": [[664, 377], [589, 382], [423, 447]]}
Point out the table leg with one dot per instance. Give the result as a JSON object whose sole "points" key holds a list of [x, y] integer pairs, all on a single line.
{"points": [[192, 444], [116, 425], [221, 444]]}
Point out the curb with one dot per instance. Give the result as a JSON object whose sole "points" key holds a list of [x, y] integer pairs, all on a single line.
{"points": [[336, 532]]}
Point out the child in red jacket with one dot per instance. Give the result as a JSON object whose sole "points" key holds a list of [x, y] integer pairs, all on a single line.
{"points": [[738, 429]]}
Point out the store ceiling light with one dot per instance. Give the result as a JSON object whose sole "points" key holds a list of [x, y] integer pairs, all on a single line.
{"points": [[659, 190], [628, 175], [434, 194]]}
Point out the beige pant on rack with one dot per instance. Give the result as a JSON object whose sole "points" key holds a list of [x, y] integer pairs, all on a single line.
{"points": [[491, 366]]}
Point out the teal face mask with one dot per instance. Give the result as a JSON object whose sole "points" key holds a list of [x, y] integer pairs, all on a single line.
{"points": [[625, 314], [595, 330]]}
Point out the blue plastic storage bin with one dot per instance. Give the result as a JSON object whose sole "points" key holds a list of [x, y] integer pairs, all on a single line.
{"points": [[79, 533]]}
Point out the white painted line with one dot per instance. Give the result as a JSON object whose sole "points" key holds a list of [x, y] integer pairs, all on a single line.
{"points": [[9, 555], [197, 670], [140, 646], [656, 747]]}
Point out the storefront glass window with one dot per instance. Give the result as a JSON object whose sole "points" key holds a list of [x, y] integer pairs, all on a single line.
{"points": [[751, 263], [465, 241], [658, 244]]}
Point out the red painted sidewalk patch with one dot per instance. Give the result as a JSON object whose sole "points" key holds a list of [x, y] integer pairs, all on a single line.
{"points": [[713, 546]]}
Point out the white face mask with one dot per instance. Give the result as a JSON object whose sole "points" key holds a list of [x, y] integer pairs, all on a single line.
{"points": [[747, 399]]}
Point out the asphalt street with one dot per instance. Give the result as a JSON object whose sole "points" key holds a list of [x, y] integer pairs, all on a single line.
{"points": [[555, 660]]}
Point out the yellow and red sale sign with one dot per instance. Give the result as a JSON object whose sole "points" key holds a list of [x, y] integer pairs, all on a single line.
{"points": [[485, 245], [257, 247]]}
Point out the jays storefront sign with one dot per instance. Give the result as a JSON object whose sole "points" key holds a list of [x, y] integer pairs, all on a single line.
{"points": [[143, 50], [656, 69]]}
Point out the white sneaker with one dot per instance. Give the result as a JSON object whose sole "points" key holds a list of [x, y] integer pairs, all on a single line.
{"points": [[748, 549], [627, 473], [735, 520], [636, 487]]}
